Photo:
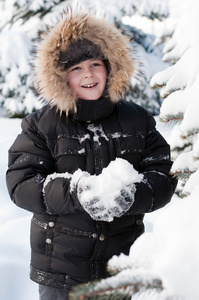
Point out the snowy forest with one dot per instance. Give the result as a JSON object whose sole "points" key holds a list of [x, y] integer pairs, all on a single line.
{"points": [[163, 264]]}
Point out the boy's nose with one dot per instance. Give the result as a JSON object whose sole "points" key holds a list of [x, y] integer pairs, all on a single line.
{"points": [[88, 73]]}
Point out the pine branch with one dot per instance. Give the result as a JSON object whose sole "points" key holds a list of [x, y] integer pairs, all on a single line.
{"points": [[172, 118], [157, 86], [162, 85], [25, 13], [122, 262], [108, 295], [121, 286], [191, 133], [181, 149], [183, 175]]}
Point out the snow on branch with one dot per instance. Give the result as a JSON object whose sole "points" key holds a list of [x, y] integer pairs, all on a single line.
{"points": [[120, 286], [171, 118], [175, 77], [185, 34], [185, 165]]}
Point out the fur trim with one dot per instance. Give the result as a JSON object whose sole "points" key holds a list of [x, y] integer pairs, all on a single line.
{"points": [[51, 81]]}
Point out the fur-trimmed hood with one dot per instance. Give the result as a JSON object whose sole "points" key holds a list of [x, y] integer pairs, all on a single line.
{"points": [[51, 79]]}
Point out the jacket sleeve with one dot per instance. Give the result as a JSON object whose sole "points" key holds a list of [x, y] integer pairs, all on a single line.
{"points": [[158, 185], [30, 162]]}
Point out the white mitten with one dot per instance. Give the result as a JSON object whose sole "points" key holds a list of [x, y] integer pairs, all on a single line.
{"points": [[109, 194]]}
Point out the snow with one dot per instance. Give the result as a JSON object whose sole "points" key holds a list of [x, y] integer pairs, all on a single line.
{"points": [[99, 194], [97, 132], [188, 34], [124, 278], [53, 177], [14, 230], [170, 77], [184, 161], [179, 88], [170, 252], [174, 244], [22, 45]]}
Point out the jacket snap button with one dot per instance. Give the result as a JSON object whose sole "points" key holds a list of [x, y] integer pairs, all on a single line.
{"points": [[102, 237], [48, 241], [51, 224], [138, 222], [94, 235]]}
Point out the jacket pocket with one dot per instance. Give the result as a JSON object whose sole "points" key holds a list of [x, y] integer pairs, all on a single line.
{"points": [[41, 236]]}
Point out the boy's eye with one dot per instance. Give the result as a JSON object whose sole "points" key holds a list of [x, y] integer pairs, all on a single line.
{"points": [[75, 68], [95, 64]]}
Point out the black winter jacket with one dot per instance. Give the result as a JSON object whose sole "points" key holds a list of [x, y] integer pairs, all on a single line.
{"points": [[68, 247]]}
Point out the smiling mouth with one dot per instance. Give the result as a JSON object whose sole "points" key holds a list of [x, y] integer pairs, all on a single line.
{"points": [[89, 85]]}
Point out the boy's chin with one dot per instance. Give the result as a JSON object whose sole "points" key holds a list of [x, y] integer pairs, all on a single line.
{"points": [[90, 98]]}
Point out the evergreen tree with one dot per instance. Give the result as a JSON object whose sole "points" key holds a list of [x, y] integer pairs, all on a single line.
{"points": [[19, 32], [129, 281], [179, 86]]}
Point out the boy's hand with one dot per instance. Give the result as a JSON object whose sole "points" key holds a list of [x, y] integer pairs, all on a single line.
{"points": [[109, 194], [102, 211]]}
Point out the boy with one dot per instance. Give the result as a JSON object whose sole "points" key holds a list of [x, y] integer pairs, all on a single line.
{"points": [[83, 71]]}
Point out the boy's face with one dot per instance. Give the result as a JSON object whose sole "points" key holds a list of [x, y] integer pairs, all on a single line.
{"points": [[88, 79]]}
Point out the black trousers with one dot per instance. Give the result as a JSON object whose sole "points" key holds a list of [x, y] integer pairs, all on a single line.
{"points": [[50, 293]]}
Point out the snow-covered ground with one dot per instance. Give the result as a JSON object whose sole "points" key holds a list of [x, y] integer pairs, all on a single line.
{"points": [[169, 248], [14, 230]]}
